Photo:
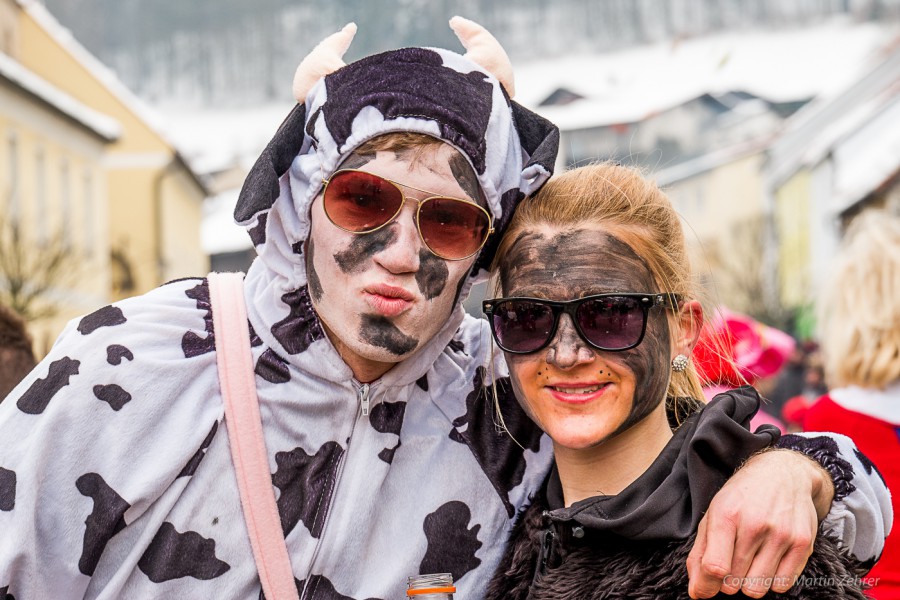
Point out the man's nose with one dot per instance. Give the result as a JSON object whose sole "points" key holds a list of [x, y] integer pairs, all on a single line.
{"points": [[401, 255], [567, 349]]}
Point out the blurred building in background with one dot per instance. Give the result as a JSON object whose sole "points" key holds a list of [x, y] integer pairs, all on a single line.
{"points": [[83, 163], [766, 141]]}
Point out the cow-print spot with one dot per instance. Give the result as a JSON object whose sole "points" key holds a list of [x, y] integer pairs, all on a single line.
{"points": [[113, 395], [5, 595], [301, 327], [192, 464], [257, 233], [452, 544], [36, 398], [173, 555], [422, 382], [387, 417], [320, 587], [115, 353], [191, 343], [306, 483], [868, 465], [458, 347], [255, 340], [108, 316], [106, 519], [7, 489], [272, 367], [498, 452]]}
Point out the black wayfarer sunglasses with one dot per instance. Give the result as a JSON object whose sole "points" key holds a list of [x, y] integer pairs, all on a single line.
{"points": [[611, 322]]}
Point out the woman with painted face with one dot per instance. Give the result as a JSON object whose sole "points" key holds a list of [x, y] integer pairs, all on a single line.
{"points": [[597, 319]]}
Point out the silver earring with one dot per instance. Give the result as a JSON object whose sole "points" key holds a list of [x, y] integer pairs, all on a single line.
{"points": [[679, 363]]}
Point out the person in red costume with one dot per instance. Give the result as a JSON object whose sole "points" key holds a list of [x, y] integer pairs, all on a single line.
{"points": [[860, 335]]}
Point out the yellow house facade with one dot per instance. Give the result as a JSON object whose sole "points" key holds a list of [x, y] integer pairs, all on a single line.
{"points": [[154, 198], [54, 201]]}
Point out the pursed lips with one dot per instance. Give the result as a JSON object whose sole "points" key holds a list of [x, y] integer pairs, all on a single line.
{"points": [[388, 300]]}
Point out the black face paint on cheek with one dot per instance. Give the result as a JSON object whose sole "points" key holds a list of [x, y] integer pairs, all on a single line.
{"points": [[312, 277], [379, 331], [432, 274], [355, 161], [363, 247], [465, 177], [648, 363]]}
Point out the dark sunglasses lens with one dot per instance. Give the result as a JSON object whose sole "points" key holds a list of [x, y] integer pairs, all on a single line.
{"points": [[453, 228], [611, 323], [360, 202], [522, 326]]}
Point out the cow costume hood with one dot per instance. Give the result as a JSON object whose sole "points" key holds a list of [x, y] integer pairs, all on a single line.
{"points": [[422, 90]]}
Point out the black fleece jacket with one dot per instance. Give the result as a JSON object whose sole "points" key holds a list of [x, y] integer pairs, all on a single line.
{"points": [[635, 545]]}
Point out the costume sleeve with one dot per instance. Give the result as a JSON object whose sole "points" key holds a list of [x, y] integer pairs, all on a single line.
{"points": [[861, 514], [110, 420]]}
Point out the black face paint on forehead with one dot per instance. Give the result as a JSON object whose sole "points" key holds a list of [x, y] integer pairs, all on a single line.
{"points": [[315, 284], [465, 177], [363, 247], [588, 261], [379, 331], [355, 161], [432, 274], [572, 264]]}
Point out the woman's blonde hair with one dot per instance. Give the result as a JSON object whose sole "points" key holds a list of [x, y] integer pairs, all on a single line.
{"points": [[860, 312], [637, 212]]}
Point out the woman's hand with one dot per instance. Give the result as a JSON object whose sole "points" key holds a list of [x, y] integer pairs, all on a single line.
{"points": [[760, 528]]}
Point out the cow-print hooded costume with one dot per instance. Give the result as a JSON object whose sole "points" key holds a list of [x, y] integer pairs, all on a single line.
{"points": [[116, 479]]}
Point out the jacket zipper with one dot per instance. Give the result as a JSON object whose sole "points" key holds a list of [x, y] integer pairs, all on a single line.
{"points": [[362, 395]]}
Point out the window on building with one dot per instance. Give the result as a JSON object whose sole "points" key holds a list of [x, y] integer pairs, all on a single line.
{"points": [[12, 200], [40, 196], [65, 203], [88, 214]]}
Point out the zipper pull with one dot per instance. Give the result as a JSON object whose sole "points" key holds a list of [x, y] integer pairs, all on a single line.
{"points": [[363, 395], [544, 554]]}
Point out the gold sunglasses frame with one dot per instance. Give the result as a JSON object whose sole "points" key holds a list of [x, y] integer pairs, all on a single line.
{"points": [[419, 203]]}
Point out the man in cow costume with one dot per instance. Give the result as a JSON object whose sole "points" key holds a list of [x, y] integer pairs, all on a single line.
{"points": [[386, 453]]}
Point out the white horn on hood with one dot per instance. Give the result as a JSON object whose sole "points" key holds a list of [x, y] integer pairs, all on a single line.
{"points": [[484, 49], [325, 58]]}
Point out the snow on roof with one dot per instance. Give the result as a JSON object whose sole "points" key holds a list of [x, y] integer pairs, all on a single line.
{"points": [[102, 125], [64, 37], [628, 86], [213, 139], [868, 157]]}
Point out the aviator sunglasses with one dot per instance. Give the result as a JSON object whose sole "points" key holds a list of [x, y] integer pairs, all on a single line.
{"points": [[360, 202], [610, 322]]}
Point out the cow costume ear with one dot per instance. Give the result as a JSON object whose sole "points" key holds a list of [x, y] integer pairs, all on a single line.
{"points": [[260, 189], [540, 141]]}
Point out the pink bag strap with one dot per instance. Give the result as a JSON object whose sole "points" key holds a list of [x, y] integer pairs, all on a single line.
{"points": [[245, 435]]}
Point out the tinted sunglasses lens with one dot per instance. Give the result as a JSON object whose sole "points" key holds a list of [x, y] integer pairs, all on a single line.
{"points": [[611, 323], [522, 326], [453, 228], [359, 201]]}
